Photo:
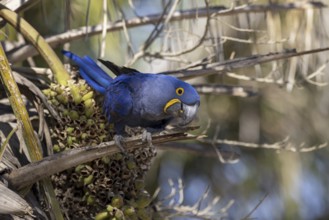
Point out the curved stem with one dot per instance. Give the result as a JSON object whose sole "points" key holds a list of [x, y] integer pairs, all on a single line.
{"points": [[3, 146], [38, 42]]}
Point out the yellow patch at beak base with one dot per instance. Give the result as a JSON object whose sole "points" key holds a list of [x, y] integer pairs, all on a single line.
{"points": [[170, 103]]}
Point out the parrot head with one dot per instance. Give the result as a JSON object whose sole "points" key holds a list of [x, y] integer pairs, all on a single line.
{"points": [[183, 103]]}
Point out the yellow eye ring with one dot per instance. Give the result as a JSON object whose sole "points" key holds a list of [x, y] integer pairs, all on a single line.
{"points": [[180, 91]]}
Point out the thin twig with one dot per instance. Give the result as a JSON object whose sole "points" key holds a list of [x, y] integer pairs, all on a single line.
{"points": [[238, 91], [3, 146], [156, 30], [256, 79], [34, 70], [201, 40], [87, 19], [18, 5], [103, 38], [37, 93], [255, 208], [229, 65], [124, 28], [280, 145], [175, 206], [20, 52], [316, 73]]}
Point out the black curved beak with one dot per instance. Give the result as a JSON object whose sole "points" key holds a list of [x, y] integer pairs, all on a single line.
{"points": [[183, 114]]}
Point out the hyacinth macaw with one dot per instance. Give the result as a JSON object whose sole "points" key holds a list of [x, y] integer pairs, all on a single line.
{"points": [[151, 101]]}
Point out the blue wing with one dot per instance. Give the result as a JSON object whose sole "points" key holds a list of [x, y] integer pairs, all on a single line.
{"points": [[118, 104]]}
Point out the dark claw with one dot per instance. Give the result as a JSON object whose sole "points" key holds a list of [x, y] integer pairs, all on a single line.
{"points": [[119, 140], [147, 137]]}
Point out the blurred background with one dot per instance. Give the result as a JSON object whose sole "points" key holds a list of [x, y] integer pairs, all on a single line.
{"points": [[276, 129]]}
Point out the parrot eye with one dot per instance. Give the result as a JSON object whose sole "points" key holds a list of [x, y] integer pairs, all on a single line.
{"points": [[179, 91]]}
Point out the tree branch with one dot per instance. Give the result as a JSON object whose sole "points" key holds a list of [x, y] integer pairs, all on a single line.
{"points": [[229, 65], [280, 145], [215, 89], [50, 165], [22, 51]]}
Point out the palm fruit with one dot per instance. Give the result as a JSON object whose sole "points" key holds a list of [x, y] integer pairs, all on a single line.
{"points": [[108, 188]]}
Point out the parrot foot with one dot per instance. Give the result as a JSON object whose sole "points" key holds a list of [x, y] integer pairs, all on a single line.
{"points": [[118, 139], [147, 137]]}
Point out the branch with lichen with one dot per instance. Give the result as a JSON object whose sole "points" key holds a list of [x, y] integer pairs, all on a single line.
{"points": [[18, 106], [172, 205]]}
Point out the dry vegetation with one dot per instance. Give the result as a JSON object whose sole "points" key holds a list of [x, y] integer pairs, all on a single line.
{"points": [[260, 68]]}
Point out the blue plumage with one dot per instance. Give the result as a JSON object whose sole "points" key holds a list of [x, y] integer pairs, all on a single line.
{"points": [[136, 99], [88, 68]]}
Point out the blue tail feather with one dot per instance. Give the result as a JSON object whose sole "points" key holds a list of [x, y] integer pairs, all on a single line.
{"points": [[91, 72], [101, 72], [91, 82]]}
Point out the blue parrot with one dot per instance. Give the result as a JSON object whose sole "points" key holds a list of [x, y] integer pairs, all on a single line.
{"points": [[135, 99]]}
